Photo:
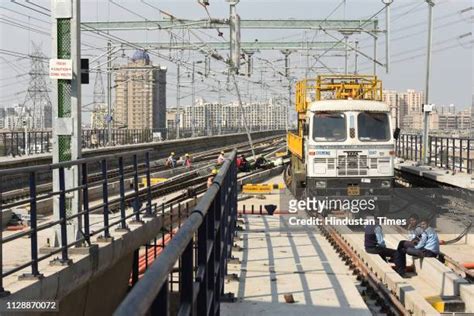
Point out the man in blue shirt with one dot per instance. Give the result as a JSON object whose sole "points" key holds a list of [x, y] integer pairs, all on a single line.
{"points": [[428, 246], [374, 243], [414, 233]]}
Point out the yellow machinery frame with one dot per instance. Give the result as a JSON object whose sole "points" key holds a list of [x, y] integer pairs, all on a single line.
{"points": [[338, 87]]}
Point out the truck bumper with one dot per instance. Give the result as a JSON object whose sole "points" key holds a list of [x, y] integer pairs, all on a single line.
{"points": [[350, 187]]}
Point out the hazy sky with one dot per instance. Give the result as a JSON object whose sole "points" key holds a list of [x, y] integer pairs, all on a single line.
{"points": [[451, 80]]}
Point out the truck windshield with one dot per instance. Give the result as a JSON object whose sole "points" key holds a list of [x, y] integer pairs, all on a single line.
{"points": [[373, 126], [329, 127]]}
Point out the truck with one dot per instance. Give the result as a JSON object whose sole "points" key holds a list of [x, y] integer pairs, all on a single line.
{"points": [[344, 145]]}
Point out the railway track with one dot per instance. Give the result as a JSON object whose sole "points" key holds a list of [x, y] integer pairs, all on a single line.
{"points": [[20, 197]]}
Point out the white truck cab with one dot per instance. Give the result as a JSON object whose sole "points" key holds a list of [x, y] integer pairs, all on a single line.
{"points": [[344, 147]]}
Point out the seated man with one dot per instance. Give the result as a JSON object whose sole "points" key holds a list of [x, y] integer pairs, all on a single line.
{"points": [[428, 246], [374, 243], [221, 158], [414, 233], [260, 162], [171, 161]]}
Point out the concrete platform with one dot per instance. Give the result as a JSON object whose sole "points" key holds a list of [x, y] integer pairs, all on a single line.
{"points": [[459, 179], [278, 260]]}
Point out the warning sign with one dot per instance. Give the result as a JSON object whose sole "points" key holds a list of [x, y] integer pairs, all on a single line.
{"points": [[60, 69]]}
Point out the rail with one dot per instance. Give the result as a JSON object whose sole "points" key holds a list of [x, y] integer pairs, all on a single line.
{"points": [[450, 153], [127, 196], [12, 143], [202, 246]]}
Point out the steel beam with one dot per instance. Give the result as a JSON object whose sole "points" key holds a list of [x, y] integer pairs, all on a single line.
{"points": [[330, 25], [253, 46]]}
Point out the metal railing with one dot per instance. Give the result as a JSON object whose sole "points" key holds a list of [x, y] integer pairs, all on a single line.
{"points": [[128, 196], [38, 142], [451, 153], [13, 143], [202, 247]]}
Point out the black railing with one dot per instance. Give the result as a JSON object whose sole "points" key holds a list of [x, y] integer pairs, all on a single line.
{"points": [[202, 246], [13, 143], [38, 142], [133, 196], [451, 153]]}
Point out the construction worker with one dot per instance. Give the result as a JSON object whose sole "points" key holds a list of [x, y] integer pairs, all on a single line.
{"points": [[242, 164], [171, 161], [427, 246], [187, 161], [221, 158], [211, 178], [374, 243]]}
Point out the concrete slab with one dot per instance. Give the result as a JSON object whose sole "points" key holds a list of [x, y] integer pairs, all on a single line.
{"points": [[277, 260], [459, 179]]}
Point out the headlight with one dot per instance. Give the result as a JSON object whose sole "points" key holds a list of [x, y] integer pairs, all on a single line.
{"points": [[386, 184], [320, 184]]}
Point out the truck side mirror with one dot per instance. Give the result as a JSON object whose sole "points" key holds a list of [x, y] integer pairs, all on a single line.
{"points": [[396, 133], [305, 129]]}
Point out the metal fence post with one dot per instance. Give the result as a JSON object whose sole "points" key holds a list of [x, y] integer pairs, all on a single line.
{"points": [[136, 200], [201, 275], [135, 266], [85, 202], [160, 305], [469, 165], [105, 199], [123, 224], [186, 280], [62, 217], [454, 154], [148, 183], [34, 234]]}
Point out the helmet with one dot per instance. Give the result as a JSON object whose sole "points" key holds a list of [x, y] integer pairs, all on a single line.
{"points": [[214, 171], [172, 153], [222, 152], [187, 155]]}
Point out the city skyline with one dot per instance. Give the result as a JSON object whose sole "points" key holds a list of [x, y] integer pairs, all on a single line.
{"points": [[454, 62]]}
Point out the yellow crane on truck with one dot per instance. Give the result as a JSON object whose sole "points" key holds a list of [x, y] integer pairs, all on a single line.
{"points": [[344, 145]]}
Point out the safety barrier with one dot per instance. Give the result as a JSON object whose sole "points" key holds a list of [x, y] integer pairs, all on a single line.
{"points": [[456, 154], [17, 143], [202, 246], [127, 196]]}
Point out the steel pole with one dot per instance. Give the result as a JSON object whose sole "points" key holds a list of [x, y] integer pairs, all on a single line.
{"points": [[346, 53], [387, 38], [178, 97], [356, 57], [427, 81], [220, 105], [66, 44], [193, 92], [109, 92], [375, 55]]}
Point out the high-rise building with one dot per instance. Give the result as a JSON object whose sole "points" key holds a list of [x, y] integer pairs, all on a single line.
{"points": [[141, 94], [390, 97], [472, 118], [212, 116], [411, 109]]}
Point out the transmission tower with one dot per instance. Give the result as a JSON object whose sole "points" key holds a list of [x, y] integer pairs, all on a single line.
{"points": [[37, 104], [99, 109], [99, 91]]}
